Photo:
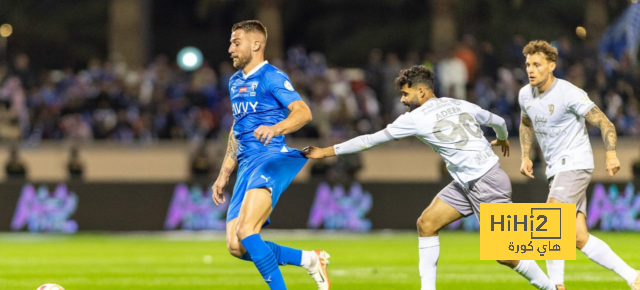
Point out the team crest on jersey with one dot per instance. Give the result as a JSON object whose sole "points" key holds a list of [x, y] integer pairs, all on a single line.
{"points": [[254, 85], [551, 107], [288, 85]]}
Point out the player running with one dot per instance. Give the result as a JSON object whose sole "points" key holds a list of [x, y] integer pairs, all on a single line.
{"points": [[265, 108], [451, 128], [554, 111]]}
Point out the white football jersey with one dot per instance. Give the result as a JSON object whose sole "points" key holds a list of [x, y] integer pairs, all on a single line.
{"points": [[558, 121], [451, 127]]}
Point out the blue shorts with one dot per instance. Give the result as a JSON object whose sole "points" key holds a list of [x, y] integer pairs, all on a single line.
{"points": [[271, 170]]}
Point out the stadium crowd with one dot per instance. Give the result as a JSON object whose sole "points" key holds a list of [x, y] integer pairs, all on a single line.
{"points": [[108, 100]]}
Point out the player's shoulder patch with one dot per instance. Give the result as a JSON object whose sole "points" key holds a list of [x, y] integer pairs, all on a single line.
{"points": [[288, 85]]}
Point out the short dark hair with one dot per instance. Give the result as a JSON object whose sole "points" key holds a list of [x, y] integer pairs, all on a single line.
{"points": [[251, 26], [541, 46], [417, 74]]}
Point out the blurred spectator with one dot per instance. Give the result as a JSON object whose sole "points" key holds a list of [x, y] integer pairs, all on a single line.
{"points": [[489, 61], [392, 67], [636, 169], [15, 167], [75, 167], [201, 165], [22, 69], [453, 76], [374, 74], [465, 51]]}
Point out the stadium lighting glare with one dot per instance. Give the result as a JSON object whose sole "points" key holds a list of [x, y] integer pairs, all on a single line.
{"points": [[6, 30], [189, 58]]}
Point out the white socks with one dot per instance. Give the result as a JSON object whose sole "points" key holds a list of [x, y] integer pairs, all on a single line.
{"points": [[599, 252], [429, 251], [308, 259], [532, 272], [555, 270]]}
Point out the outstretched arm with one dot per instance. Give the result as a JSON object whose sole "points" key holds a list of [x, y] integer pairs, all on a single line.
{"points": [[597, 118], [299, 115], [358, 144]]}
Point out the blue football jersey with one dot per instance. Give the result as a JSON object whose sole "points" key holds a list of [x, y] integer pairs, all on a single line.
{"points": [[259, 98]]}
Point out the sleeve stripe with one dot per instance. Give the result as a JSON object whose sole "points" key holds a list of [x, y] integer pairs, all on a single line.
{"points": [[386, 132]]}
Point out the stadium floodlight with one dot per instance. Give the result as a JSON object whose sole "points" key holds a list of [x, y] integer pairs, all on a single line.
{"points": [[189, 58], [6, 30]]}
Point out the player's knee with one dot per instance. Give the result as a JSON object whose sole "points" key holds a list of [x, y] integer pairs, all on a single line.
{"points": [[234, 250], [581, 239], [426, 228], [244, 230]]}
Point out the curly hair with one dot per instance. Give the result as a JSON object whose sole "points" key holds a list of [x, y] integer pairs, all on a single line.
{"points": [[251, 26], [417, 74], [541, 46]]}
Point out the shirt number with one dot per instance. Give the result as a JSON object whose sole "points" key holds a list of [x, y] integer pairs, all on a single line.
{"points": [[459, 130]]}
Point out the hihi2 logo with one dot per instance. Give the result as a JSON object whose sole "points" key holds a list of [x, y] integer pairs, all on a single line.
{"points": [[527, 231]]}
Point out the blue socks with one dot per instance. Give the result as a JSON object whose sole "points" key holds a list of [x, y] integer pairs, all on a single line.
{"points": [[265, 261], [284, 255]]}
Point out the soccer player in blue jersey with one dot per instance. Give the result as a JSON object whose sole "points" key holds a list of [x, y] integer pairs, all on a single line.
{"points": [[265, 108]]}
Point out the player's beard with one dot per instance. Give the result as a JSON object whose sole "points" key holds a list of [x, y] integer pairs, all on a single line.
{"points": [[242, 62], [410, 106]]}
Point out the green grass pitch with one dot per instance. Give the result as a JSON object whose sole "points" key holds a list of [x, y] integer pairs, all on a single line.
{"points": [[366, 261]]}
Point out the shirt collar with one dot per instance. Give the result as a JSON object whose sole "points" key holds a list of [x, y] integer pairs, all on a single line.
{"points": [[538, 95], [254, 70]]}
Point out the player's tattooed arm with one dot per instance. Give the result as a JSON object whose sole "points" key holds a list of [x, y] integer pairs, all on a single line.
{"points": [[228, 165], [597, 118], [527, 134], [231, 158], [232, 146]]}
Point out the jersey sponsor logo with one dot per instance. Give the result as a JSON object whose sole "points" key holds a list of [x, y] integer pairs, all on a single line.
{"points": [[551, 108], [553, 132], [288, 85], [243, 89], [540, 121], [244, 107]]}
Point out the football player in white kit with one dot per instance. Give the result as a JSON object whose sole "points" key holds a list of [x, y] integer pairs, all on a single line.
{"points": [[451, 128], [554, 111]]}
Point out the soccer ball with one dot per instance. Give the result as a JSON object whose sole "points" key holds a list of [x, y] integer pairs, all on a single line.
{"points": [[50, 286]]}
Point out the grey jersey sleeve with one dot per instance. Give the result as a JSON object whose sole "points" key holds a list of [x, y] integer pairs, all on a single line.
{"points": [[362, 143], [402, 127], [494, 121]]}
